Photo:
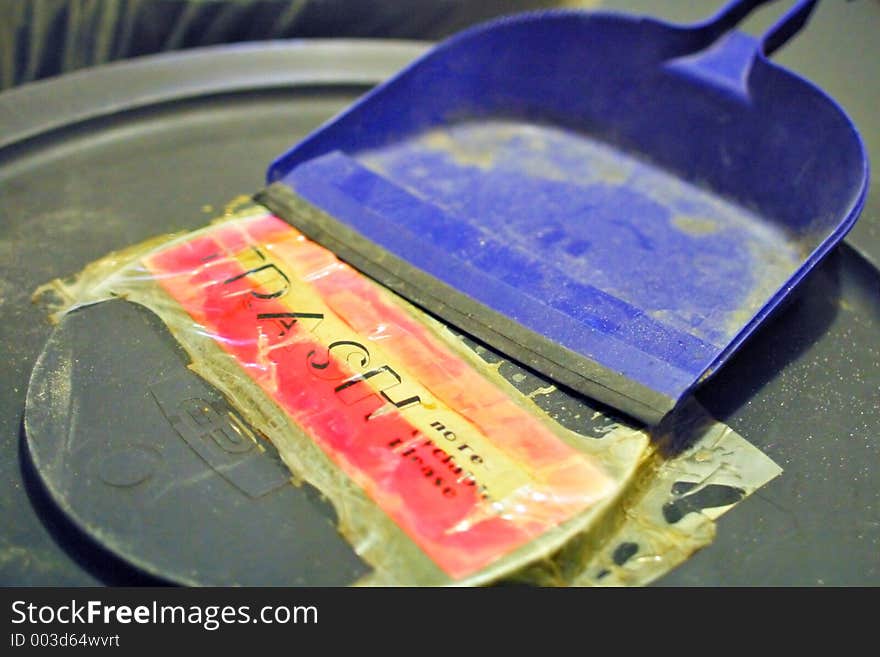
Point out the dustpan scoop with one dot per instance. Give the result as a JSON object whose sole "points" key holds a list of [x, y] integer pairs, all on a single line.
{"points": [[615, 201]]}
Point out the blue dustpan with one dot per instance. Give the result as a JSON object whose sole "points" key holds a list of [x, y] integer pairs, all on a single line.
{"points": [[616, 201]]}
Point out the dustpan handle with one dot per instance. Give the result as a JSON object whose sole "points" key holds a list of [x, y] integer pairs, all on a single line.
{"points": [[787, 26], [703, 51], [734, 12]]}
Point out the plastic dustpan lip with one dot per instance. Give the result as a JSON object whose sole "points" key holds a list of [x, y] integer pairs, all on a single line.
{"points": [[534, 348], [461, 310]]}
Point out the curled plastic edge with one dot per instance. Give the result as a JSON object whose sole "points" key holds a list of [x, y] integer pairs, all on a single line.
{"points": [[438, 474], [700, 470], [670, 509]]}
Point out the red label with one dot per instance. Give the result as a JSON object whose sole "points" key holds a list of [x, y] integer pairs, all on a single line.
{"points": [[467, 473]]}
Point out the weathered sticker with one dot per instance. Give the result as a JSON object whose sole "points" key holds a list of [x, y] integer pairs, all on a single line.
{"points": [[464, 471], [445, 462]]}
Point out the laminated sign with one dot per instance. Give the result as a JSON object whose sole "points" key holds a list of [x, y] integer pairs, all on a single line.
{"points": [[466, 473], [442, 468]]}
